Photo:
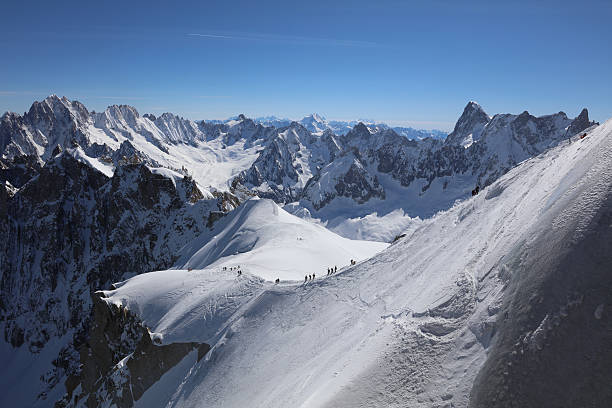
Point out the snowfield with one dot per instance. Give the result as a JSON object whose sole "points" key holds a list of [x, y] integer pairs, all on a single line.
{"points": [[410, 326], [265, 240]]}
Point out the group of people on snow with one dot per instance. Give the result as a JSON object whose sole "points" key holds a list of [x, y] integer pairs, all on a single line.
{"points": [[234, 268], [330, 271], [309, 277]]}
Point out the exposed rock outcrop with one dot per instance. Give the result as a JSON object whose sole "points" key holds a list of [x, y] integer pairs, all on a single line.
{"points": [[119, 360], [74, 230]]}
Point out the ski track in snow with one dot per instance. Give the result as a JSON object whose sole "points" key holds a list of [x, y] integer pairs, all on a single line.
{"points": [[407, 327]]}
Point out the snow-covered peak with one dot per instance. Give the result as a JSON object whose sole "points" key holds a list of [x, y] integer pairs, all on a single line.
{"points": [[469, 126], [54, 106], [315, 123]]}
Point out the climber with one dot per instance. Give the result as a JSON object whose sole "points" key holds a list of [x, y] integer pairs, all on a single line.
{"points": [[277, 280], [335, 269], [476, 190], [313, 276], [305, 278]]}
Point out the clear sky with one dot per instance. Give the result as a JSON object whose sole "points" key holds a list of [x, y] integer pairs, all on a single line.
{"points": [[403, 62]]}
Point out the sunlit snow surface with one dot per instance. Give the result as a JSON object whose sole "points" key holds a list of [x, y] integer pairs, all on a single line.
{"points": [[405, 328], [266, 241]]}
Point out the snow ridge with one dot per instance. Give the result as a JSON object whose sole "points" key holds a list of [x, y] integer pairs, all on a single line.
{"points": [[413, 325]]}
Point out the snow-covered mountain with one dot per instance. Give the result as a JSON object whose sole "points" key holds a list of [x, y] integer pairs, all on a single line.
{"points": [[486, 304], [88, 199], [391, 172], [212, 154], [388, 171]]}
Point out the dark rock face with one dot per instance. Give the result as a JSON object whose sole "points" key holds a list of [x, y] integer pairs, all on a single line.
{"points": [[291, 156], [19, 170], [580, 123], [116, 334], [346, 177], [355, 185], [274, 165], [72, 231], [552, 346]]}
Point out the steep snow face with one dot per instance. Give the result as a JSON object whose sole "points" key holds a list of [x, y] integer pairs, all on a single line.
{"points": [[267, 241], [409, 327], [510, 139]]}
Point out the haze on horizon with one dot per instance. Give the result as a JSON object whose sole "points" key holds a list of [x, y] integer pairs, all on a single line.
{"points": [[403, 63]]}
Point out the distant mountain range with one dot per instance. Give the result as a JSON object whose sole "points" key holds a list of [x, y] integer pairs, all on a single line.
{"points": [[316, 123], [324, 173]]}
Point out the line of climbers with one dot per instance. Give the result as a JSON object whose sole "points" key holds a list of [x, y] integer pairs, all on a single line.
{"points": [[330, 271], [234, 268]]}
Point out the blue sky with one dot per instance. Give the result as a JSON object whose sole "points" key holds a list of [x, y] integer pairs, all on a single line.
{"points": [[402, 62]]}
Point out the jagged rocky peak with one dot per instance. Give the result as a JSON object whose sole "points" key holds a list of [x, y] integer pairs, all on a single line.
{"points": [[345, 177], [360, 130], [125, 112], [469, 126], [54, 105], [178, 130], [19, 169], [581, 122]]}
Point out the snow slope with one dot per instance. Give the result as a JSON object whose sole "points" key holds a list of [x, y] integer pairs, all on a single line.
{"points": [[267, 241], [409, 327]]}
